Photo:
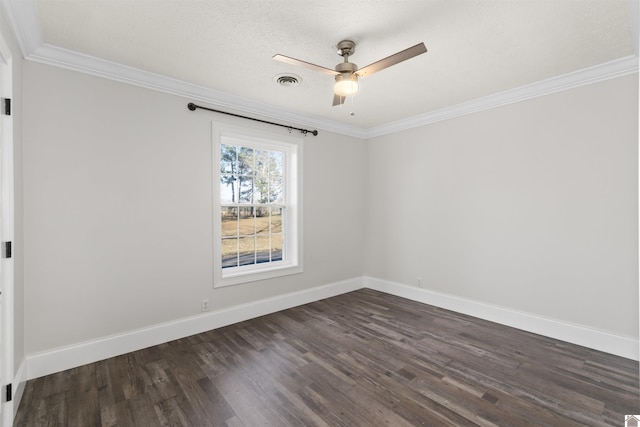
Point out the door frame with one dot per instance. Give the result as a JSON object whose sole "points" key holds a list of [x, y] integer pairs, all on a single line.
{"points": [[7, 233]]}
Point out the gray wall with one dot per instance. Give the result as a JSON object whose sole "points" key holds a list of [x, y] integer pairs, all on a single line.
{"points": [[118, 209], [531, 206]]}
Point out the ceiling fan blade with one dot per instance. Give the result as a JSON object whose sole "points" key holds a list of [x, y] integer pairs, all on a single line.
{"points": [[338, 100], [304, 64], [394, 59]]}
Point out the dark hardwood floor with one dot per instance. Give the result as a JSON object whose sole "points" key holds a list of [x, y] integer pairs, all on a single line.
{"points": [[359, 359]]}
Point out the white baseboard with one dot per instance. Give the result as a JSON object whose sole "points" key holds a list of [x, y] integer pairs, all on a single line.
{"points": [[572, 333], [72, 356]]}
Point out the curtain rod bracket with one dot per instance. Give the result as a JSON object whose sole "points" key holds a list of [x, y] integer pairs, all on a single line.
{"points": [[191, 106]]}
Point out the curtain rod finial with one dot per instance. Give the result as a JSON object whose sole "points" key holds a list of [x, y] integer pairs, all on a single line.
{"points": [[191, 106]]}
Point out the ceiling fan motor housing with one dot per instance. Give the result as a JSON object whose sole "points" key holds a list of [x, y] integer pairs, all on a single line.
{"points": [[346, 67]]}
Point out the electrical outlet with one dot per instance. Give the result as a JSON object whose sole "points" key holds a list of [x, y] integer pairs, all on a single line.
{"points": [[205, 305]]}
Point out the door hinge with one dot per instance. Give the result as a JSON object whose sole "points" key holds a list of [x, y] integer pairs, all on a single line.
{"points": [[6, 249], [9, 396], [6, 106]]}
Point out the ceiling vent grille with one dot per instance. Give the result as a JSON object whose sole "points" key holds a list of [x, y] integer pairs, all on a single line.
{"points": [[287, 80]]}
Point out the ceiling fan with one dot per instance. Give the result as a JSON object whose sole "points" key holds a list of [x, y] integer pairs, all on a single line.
{"points": [[347, 73]]}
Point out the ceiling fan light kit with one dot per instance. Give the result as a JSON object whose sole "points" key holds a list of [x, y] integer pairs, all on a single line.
{"points": [[346, 84], [347, 80], [347, 73]]}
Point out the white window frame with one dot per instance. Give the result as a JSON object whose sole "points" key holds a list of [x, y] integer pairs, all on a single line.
{"points": [[223, 133]]}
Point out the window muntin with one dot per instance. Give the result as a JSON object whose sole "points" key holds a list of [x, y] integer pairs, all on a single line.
{"points": [[257, 200]]}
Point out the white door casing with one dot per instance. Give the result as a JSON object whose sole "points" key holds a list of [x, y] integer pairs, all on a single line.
{"points": [[6, 234]]}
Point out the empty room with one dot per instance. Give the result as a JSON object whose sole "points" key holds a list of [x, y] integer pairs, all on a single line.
{"points": [[319, 213]]}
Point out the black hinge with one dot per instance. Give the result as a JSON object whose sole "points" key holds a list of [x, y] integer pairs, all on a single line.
{"points": [[6, 106], [6, 250], [9, 396]]}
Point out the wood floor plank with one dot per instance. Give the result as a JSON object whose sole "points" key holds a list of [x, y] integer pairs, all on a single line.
{"points": [[360, 359]]}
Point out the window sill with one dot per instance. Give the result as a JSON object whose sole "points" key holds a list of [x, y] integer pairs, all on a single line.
{"points": [[236, 278]]}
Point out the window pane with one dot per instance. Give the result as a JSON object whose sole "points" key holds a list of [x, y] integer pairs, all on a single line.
{"points": [[247, 221], [261, 191], [276, 189], [276, 176], [276, 220], [228, 158], [276, 162], [229, 218], [228, 189], [263, 249], [227, 167], [262, 220], [276, 247], [245, 183], [247, 250], [245, 161], [262, 177], [262, 162], [229, 253]]}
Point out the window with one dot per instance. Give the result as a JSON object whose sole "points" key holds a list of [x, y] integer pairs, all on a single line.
{"points": [[257, 205]]}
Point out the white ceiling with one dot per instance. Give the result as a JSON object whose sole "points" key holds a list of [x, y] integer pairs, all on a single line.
{"points": [[219, 51]]}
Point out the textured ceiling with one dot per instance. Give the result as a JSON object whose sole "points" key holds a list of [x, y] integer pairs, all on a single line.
{"points": [[475, 47]]}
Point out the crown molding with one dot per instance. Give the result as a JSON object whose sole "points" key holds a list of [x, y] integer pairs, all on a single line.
{"points": [[24, 22], [75, 61], [598, 73], [23, 19]]}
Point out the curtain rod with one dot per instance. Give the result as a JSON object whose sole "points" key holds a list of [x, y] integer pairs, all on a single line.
{"points": [[193, 107]]}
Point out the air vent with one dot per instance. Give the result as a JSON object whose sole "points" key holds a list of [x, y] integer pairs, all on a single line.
{"points": [[287, 80]]}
